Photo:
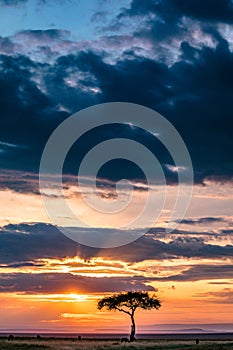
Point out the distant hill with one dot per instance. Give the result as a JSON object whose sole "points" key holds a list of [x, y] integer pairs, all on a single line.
{"points": [[193, 330]]}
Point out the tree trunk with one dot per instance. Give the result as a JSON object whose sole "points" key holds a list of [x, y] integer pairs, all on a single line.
{"points": [[132, 334]]}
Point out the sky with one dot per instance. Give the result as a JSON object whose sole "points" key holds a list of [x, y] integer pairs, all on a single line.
{"points": [[59, 57]]}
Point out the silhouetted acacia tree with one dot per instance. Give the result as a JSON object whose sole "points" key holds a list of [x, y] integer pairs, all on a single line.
{"points": [[128, 303]]}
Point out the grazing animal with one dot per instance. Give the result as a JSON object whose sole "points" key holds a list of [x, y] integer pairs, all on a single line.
{"points": [[124, 340], [11, 337], [197, 341]]}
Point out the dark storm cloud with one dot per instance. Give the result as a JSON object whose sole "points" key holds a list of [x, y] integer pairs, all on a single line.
{"points": [[202, 74], [188, 247], [214, 10], [19, 182], [28, 182], [7, 46], [22, 102], [30, 242], [40, 283], [204, 220], [65, 282], [165, 24], [29, 114], [25, 243], [202, 272], [194, 93]]}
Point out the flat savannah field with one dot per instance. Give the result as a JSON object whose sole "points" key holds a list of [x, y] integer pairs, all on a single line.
{"points": [[69, 344]]}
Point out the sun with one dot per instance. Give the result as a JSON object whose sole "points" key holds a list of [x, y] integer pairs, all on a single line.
{"points": [[77, 297]]}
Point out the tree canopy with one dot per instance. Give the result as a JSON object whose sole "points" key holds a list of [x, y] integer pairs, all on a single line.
{"points": [[128, 302]]}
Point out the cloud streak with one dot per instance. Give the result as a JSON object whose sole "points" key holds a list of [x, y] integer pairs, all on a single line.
{"points": [[49, 283], [27, 242]]}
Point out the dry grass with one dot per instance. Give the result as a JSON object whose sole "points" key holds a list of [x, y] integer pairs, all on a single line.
{"points": [[60, 344]]}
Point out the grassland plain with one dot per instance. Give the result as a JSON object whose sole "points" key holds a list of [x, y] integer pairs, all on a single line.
{"points": [[70, 344]]}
